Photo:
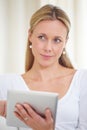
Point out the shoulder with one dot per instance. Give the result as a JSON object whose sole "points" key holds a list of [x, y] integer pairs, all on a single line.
{"points": [[83, 72], [6, 80], [82, 75], [82, 80]]}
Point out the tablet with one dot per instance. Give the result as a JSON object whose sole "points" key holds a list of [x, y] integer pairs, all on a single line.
{"points": [[37, 99]]}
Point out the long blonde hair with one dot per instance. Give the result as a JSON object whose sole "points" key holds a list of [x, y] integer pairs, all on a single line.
{"points": [[47, 12]]}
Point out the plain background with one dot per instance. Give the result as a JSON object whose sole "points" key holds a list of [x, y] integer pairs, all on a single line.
{"points": [[14, 25]]}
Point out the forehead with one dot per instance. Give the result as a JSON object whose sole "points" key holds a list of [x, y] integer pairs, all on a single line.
{"points": [[55, 27]]}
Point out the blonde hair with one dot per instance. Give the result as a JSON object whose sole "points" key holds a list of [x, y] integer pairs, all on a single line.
{"points": [[47, 12]]}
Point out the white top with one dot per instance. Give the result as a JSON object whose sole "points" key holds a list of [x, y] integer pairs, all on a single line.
{"points": [[71, 112]]}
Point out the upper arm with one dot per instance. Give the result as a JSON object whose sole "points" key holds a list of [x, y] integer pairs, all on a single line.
{"points": [[3, 87], [83, 103]]}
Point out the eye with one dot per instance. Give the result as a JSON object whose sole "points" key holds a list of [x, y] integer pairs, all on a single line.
{"points": [[41, 37], [57, 40]]}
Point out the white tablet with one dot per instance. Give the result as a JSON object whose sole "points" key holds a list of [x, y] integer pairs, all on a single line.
{"points": [[37, 99]]}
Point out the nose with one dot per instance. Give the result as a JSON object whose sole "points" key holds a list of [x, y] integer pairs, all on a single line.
{"points": [[48, 47]]}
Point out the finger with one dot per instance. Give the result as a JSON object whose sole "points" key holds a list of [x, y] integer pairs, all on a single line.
{"points": [[21, 111], [18, 115], [48, 114], [32, 112], [49, 118]]}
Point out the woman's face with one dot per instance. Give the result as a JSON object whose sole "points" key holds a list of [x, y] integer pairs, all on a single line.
{"points": [[48, 40]]}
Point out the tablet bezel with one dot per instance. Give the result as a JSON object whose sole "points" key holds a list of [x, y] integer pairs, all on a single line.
{"points": [[37, 99]]}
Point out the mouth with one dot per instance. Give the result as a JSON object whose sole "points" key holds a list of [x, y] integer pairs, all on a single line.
{"points": [[46, 56]]}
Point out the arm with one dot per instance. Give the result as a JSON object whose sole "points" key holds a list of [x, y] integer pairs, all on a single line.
{"points": [[3, 108], [32, 119], [83, 104], [3, 89]]}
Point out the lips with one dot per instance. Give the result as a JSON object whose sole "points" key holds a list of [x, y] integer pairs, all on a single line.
{"points": [[47, 57]]}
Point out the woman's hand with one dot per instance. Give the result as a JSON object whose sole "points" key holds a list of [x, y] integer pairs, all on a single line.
{"points": [[3, 108], [32, 119]]}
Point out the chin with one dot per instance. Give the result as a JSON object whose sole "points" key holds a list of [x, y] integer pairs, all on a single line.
{"points": [[46, 65]]}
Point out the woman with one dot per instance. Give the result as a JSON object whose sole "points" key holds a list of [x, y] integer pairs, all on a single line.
{"points": [[49, 69]]}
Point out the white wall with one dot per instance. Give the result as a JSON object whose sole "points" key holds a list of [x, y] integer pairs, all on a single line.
{"points": [[80, 33], [14, 24]]}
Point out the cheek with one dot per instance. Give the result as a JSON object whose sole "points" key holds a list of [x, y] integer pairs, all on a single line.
{"points": [[59, 51], [36, 47]]}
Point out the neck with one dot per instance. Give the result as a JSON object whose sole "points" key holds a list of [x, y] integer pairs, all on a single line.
{"points": [[45, 73]]}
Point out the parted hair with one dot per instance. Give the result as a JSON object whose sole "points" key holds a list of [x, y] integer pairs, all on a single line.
{"points": [[48, 12]]}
